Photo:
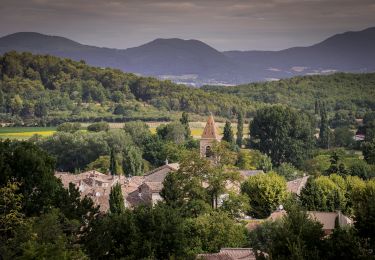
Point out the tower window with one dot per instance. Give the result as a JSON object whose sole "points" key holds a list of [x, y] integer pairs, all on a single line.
{"points": [[208, 151]]}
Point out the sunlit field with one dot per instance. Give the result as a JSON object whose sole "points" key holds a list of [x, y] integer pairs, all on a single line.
{"points": [[24, 133]]}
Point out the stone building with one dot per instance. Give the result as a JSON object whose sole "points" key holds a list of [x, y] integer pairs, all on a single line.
{"points": [[209, 137]]}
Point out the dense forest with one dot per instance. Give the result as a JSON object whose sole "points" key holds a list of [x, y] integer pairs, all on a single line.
{"points": [[46, 90], [51, 90], [340, 92]]}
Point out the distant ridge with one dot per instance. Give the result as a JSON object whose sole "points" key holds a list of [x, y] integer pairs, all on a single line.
{"points": [[194, 62]]}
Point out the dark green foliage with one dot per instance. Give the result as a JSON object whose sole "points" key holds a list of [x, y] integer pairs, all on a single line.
{"points": [[239, 129], [368, 150], [284, 134], [116, 200], [185, 122], [97, 127], [228, 133], [59, 90], [28, 164], [324, 133], [288, 171], [174, 132], [340, 91], [69, 127], [295, 236], [343, 137], [113, 163], [362, 169], [132, 162]]}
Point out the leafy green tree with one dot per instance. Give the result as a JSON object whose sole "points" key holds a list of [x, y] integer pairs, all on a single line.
{"points": [[343, 137], [322, 193], [133, 162], [211, 232], [97, 127], [369, 151], [174, 132], [28, 164], [101, 164], [284, 134], [288, 171], [69, 127], [116, 200], [228, 133], [295, 236], [239, 138], [139, 132], [11, 216], [361, 169], [364, 209], [266, 192], [235, 205]]}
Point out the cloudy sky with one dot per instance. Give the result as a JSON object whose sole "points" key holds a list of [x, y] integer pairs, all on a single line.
{"points": [[224, 24]]}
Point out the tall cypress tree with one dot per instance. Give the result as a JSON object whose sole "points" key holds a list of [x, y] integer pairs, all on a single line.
{"points": [[239, 129], [113, 163], [324, 128], [185, 122], [228, 133], [116, 200]]}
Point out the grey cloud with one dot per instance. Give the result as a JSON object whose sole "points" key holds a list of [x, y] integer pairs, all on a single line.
{"points": [[224, 24]]}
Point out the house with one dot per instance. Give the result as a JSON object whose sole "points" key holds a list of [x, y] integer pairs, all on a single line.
{"points": [[230, 254], [329, 220], [92, 184], [150, 186], [295, 186]]}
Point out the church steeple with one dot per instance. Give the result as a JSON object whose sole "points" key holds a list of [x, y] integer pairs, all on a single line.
{"points": [[209, 136], [210, 131]]}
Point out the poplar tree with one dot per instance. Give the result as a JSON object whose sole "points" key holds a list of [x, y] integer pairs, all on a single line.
{"points": [[185, 122], [113, 163], [324, 128], [116, 200], [228, 133], [239, 129]]}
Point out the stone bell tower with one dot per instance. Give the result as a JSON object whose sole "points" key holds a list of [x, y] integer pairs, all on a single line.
{"points": [[209, 136]]}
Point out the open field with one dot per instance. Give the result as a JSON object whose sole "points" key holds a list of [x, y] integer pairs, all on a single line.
{"points": [[24, 133]]}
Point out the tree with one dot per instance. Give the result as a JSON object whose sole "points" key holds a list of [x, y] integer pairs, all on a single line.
{"points": [[368, 150], [324, 194], [364, 209], [101, 164], [174, 132], [284, 134], [295, 236], [324, 133], [211, 232], [133, 162], [68, 127], [343, 137], [26, 163], [228, 133], [185, 122], [97, 127], [139, 132], [288, 171], [239, 129], [116, 200], [266, 192], [113, 164]]}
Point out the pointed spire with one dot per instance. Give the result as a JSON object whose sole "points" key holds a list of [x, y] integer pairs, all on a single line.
{"points": [[210, 131]]}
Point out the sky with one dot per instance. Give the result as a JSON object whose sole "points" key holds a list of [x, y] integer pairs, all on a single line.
{"points": [[223, 24]]}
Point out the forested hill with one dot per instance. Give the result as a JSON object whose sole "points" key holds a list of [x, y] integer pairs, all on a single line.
{"points": [[340, 91], [47, 89]]}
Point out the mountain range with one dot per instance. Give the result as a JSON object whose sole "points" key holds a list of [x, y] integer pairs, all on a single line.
{"points": [[196, 63]]}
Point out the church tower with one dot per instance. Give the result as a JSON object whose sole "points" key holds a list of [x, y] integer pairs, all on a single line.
{"points": [[209, 136]]}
